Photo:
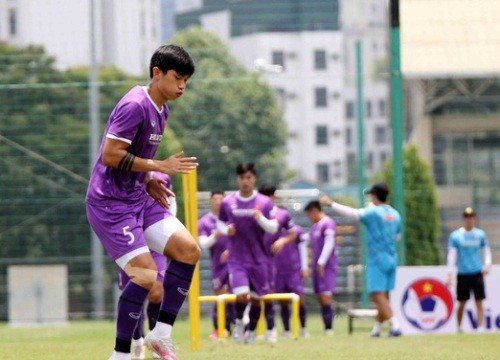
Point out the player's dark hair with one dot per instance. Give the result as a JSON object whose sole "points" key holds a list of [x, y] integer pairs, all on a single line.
{"points": [[172, 57], [313, 205], [242, 168], [216, 192], [267, 189]]}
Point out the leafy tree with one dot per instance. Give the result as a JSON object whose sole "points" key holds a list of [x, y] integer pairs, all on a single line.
{"points": [[422, 214], [227, 116]]}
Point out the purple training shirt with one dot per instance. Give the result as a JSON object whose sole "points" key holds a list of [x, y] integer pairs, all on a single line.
{"points": [[137, 121]]}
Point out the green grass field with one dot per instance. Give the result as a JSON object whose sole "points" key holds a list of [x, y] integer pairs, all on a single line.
{"points": [[89, 340]]}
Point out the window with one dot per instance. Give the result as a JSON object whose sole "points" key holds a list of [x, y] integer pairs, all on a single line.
{"points": [[322, 171], [380, 134], [278, 58], [369, 160], [383, 158], [381, 108], [337, 169], [280, 96], [349, 110], [320, 60], [368, 109], [320, 96], [348, 136], [321, 135], [12, 22]]}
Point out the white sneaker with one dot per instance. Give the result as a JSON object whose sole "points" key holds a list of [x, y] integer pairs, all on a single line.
{"points": [[287, 334], [480, 330], [138, 349], [250, 337], [119, 356], [238, 330], [304, 333], [272, 336], [162, 346], [155, 356], [329, 332]]}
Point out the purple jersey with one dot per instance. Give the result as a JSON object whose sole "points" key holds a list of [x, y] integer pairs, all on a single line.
{"points": [[247, 246], [207, 225], [288, 259], [285, 225], [317, 233], [137, 121]]}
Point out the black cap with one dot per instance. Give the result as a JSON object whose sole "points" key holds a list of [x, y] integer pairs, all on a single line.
{"points": [[379, 190], [469, 212]]}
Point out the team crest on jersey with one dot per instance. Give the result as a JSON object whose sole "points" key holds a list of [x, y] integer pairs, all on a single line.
{"points": [[153, 123], [389, 217]]}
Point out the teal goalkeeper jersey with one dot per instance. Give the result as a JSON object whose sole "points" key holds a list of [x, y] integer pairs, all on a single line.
{"points": [[383, 225], [468, 245]]}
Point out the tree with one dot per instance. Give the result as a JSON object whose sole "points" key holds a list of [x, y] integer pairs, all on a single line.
{"points": [[228, 115], [422, 214]]}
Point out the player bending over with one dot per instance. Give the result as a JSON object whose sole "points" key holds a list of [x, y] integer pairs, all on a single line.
{"points": [[211, 238], [322, 235], [249, 217], [127, 224], [383, 225]]}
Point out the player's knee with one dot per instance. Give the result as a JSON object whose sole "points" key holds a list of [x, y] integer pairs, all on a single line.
{"points": [[141, 276], [192, 253], [155, 294]]}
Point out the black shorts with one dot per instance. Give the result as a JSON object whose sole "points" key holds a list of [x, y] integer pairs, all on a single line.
{"points": [[470, 282]]}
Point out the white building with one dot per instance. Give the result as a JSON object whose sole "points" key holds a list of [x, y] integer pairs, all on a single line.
{"points": [[317, 85], [127, 32]]}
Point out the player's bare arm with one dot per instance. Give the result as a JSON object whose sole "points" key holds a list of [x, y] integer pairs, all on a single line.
{"points": [[115, 155]]}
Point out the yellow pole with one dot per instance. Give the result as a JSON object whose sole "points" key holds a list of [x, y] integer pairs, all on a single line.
{"points": [[295, 316], [260, 324], [189, 186], [221, 316]]}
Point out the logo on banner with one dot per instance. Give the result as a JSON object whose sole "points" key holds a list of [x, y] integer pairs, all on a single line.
{"points": [[427, 304]]}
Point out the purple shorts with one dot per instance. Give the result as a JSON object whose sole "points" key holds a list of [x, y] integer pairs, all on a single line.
{"points": [[120, 227], [326, 284], [161, 264], [271, 275], [253, 277], [289, 282], [220, 280]]}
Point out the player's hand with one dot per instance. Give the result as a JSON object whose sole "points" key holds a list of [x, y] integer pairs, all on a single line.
{"points": [[449, 280], [158, 191], [257, 214], [231, 230], [486, 269], [178, 164], [216, 234], [325, 200], [321, 270], [224, 256], [304, 274], [278, 245]]}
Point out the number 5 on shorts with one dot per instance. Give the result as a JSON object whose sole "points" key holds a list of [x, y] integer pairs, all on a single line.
{"points": [[128, 233]]}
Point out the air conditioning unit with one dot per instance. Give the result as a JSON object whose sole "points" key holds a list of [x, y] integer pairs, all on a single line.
{"points": [[291, 55], [335, 57], [291, 95], [336, 95]]}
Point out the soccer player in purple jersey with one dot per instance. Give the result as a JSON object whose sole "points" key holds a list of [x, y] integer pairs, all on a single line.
{"points": [[156, 293], [127, 221], [274, 244], [246, 217], [211, 238], [322, 235], [292, 269]]}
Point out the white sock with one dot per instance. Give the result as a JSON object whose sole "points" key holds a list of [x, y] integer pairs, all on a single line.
{"points": [[394, 323], [120, 356], [377, 327], [162, 329], [138, 342]]}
